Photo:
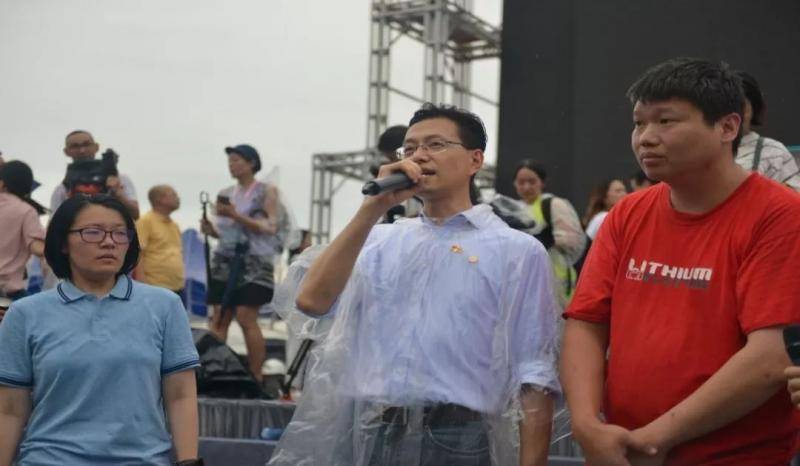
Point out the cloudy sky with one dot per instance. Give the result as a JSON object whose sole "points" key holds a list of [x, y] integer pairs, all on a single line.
{"points": [[169, 83]]}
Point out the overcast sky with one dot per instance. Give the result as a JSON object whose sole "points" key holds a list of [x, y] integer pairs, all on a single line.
{"points": [[169, 83]]}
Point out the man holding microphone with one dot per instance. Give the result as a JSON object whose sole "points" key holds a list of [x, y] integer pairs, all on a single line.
{"points": [[442, 348]]}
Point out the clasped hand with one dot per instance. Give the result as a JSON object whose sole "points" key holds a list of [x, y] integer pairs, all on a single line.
{"points": [[611, 445]]}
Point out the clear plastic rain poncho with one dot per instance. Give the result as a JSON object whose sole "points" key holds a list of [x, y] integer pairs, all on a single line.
{"points": [[433, 314]]}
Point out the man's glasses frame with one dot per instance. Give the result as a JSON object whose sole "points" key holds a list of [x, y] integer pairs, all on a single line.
{"points": [[437, 146]]}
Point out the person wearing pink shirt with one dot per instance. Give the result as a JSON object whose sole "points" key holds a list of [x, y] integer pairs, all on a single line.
{"points": [[22, 233]]}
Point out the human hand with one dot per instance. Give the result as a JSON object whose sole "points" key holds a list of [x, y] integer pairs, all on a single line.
{"points": [[611, 445], [206, 227], [792, 374], [648, 447], [226, 210], [113, 184], [387, 200], [603, 444]]}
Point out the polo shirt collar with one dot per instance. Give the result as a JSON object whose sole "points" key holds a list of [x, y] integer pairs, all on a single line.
{"points": [[69, 293]]}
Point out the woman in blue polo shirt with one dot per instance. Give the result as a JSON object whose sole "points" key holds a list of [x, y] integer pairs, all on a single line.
{"points": [[88, 369]]}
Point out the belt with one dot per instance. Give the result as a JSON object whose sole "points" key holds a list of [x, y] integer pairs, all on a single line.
{"points": [[441, 415]]}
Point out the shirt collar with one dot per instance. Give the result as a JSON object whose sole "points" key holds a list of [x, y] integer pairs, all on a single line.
{"points": [[69, 293], [478, 216]]}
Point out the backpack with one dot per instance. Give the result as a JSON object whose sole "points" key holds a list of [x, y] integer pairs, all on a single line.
{"points": [[548, 234]]}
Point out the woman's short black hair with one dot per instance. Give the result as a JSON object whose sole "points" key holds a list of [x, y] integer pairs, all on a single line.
{"points": [[752, 91], [62, 221], [534, 166]]}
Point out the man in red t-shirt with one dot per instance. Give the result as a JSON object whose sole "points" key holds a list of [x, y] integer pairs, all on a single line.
{"points": [[672, 349]]}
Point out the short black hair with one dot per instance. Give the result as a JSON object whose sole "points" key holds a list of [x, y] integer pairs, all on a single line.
{"points": [[392, 139], [533, 165], [470, 126], [752, 91], [713, 88], [64, 218]]}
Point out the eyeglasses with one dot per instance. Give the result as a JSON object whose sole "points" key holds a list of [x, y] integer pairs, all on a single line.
{"points": [[431, 148], [97, 235]]}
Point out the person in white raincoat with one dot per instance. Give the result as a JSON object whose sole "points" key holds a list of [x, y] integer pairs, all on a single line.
{"points": [[442, 344]]}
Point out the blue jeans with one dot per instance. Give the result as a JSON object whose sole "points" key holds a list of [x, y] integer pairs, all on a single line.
{"points": [[435, 445]]}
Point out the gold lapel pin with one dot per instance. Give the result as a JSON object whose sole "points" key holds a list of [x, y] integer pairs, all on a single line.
{"points": [[473, 259], [456, 249]]}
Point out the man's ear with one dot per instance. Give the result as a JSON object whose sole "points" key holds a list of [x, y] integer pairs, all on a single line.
{"points": [[476, 159], [729, 126]]}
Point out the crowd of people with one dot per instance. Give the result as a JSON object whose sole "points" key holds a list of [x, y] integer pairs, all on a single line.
{"points": [[453, 331]]}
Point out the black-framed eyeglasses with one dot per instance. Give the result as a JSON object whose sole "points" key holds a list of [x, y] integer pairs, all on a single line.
{"points": [[98, 235], [434, 147]]}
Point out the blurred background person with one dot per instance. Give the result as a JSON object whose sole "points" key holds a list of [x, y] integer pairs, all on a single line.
{"points": [[758, 153], [603, 197], [640, 181], [21, 234], [81, 147], [92, 369], [305, 243], [242, 269], [389, 142], [161, 262], [559, 228]]}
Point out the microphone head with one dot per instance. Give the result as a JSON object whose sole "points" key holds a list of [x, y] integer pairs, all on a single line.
{"points": [[791, 338], [370, 188]]}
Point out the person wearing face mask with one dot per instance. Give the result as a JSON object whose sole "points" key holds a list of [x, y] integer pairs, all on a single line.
{"points": [[558, 226], [22, 234], [100, 369]]}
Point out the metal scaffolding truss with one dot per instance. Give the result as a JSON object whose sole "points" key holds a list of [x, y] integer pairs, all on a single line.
{"points": [[452, 37]]}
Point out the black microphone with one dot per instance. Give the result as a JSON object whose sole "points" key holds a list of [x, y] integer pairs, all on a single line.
{"points": [[791, 338], [392, 182]]}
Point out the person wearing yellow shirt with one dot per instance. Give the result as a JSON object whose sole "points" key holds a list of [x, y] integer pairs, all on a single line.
{"points": [[161, 262]]}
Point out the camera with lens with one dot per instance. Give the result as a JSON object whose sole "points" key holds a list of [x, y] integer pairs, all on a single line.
{"points": [[89, 176]]}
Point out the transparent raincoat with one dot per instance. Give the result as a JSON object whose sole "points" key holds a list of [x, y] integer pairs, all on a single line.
{"points": [[434, 315]]}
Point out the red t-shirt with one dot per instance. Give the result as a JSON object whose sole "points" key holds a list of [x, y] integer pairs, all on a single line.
{"points": [[680, 293]]}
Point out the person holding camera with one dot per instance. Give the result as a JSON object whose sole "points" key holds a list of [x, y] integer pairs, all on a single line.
{"points": [[90, 176], [99, 370], [241, 278], [22, 233]]}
